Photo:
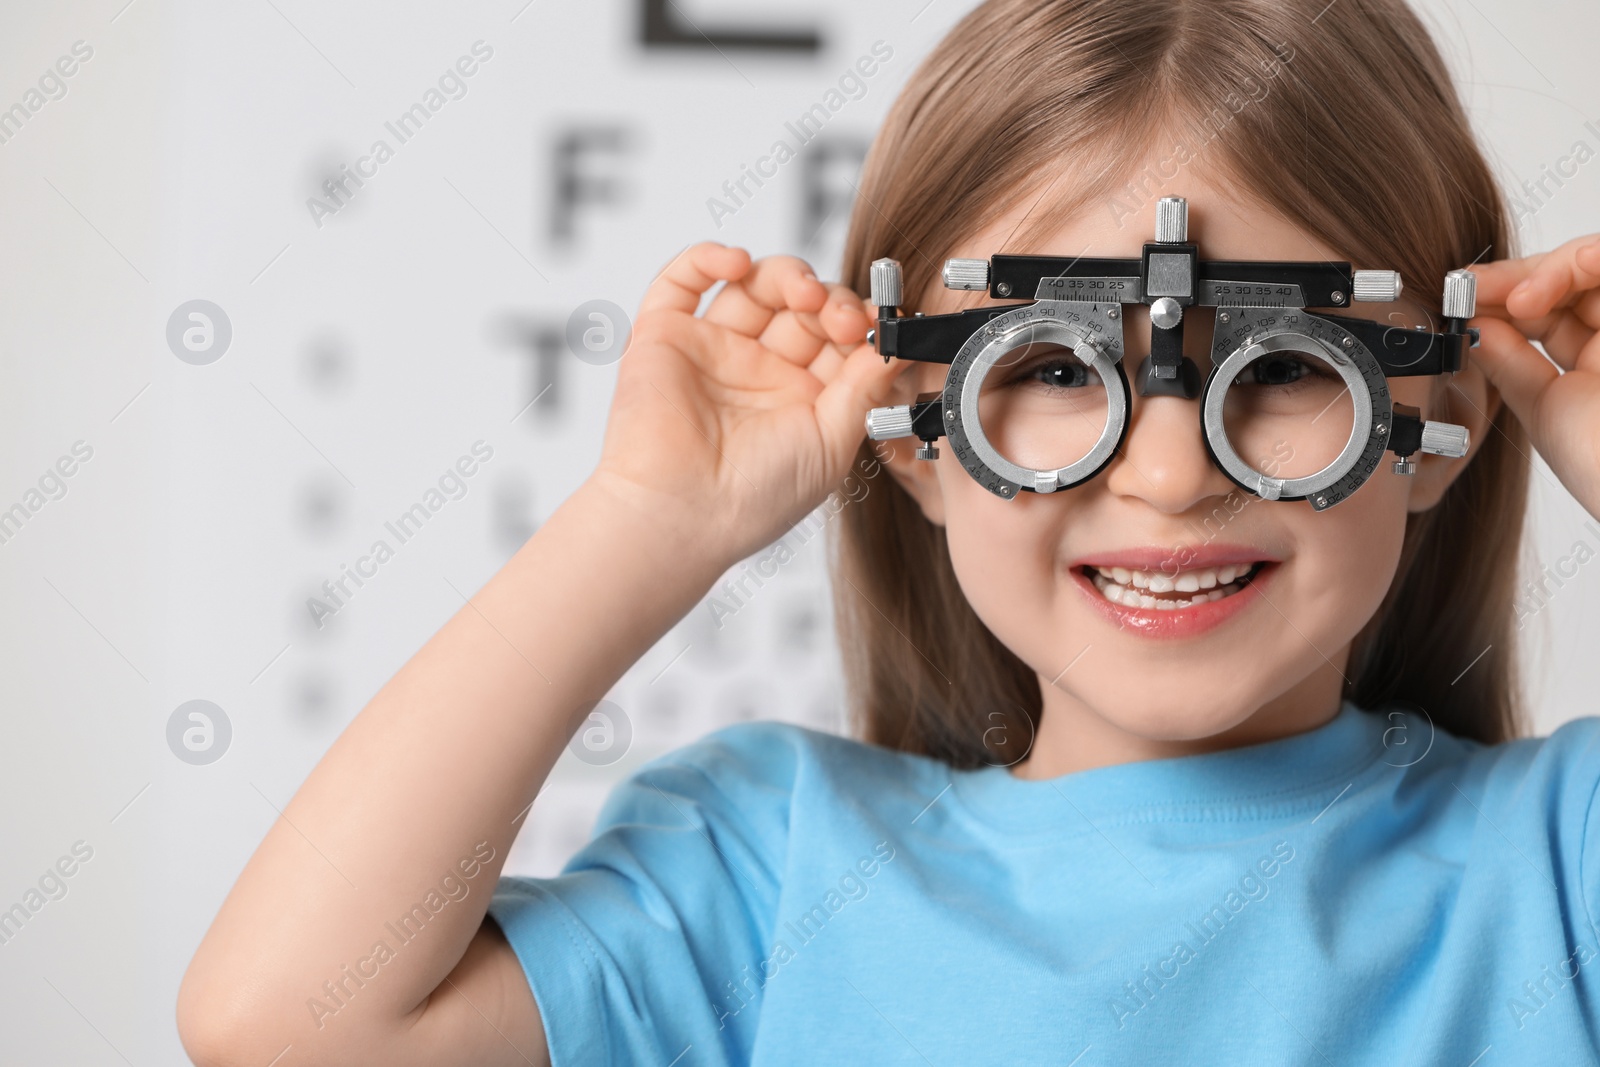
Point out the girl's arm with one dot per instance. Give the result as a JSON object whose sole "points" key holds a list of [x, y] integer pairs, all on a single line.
{"points": [[724, 431]]}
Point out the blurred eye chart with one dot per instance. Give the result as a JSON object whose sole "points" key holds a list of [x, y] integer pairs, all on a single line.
{"points": [[310, 318]]}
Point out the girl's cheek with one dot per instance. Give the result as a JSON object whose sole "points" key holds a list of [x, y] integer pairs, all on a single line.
{"points": [[1004, 553], [1346, 557]]}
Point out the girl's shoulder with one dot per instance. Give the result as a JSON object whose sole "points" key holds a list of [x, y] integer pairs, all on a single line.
{"points": [[1563, 765], [1552, 780], [1526, 805]]}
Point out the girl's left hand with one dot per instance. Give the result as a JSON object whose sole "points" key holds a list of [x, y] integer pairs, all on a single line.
{"points": [[1552, 298]]}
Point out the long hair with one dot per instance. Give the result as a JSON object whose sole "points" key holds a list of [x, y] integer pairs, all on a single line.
{"points": [[1342, 117]]}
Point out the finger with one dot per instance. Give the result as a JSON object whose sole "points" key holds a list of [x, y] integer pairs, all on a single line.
{"points": [[1563, 337], [1562, 333], [1496, 280], [1555, 280], [796, 338], [682, 283], [1513, 366], [1588, 357], [1587, 306], [844, 317], [774, 284], [1588, 309], [799, 337], [825, 368], [842, 320], [862, 382]]}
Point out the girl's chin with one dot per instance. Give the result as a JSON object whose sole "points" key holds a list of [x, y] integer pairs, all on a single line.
{"points": [[1162, 714]]}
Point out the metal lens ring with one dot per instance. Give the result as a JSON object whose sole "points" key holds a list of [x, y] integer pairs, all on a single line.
{"points": [[1264, 332], [1092, 334]]}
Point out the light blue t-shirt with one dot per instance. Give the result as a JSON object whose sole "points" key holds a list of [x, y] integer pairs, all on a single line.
{"points": [[1371, 892]]}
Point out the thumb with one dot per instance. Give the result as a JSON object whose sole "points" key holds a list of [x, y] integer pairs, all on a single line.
{"points": [[863, 382], [1517, 370]]}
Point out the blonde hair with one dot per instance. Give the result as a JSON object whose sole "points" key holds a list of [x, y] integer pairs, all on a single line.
{"points": [[1342, 117]]}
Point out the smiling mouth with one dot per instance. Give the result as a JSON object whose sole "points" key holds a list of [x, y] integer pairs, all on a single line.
{"points": [[1161, 591]]}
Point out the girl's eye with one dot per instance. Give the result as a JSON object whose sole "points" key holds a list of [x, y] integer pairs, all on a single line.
{"points": [[1282, 371], [1061, 374], [1049, 367]]}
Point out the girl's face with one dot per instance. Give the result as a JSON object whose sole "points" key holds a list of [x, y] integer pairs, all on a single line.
{"points": [[1122, 684]]}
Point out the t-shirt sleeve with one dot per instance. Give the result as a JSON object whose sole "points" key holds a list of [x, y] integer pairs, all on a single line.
{"points": [[631, 950], [1584, 740]]}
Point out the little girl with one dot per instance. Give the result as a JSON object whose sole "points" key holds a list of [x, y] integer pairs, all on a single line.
{"points": [[1286, 824]]}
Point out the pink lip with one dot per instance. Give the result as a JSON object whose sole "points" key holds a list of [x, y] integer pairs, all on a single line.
{"points": [[1169, 560], [1177, 622]]}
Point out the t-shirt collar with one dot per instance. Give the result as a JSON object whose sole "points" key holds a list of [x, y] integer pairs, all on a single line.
{"points": [[1287, 772]]}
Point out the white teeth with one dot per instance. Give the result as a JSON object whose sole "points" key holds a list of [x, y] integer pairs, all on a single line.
{"points": [[1133, 588]]}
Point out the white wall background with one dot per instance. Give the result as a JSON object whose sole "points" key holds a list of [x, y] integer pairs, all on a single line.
{"points": [[371, 351]]}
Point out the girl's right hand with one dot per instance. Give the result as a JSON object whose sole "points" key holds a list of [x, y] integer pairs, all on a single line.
{"points": [[734, 425]]}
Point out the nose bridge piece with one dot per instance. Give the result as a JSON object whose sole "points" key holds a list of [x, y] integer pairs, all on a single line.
{"points": [[1166, 371], [1167, 283], [1183, 381]]}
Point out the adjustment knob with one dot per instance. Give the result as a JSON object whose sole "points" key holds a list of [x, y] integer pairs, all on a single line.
{"points": [[1377, 286], [1460, 294], [886, 283], [1172, 220], [1166, 313], [890, 422], [969, 274], [1445, 439]]}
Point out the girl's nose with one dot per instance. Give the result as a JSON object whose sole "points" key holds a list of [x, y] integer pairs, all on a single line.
{"points": [[1163, 459]]}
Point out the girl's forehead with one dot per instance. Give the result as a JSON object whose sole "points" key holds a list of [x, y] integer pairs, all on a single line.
{"points": [[1118, 227], [1223, 224]]}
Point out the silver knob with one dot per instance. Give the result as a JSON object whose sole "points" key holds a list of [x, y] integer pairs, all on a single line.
{"points": [[1445, 439], [1377, 286], [1172, 220], [890, 422], [967, 274], [886, 283], [1166, 313], [1460, 294]]}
